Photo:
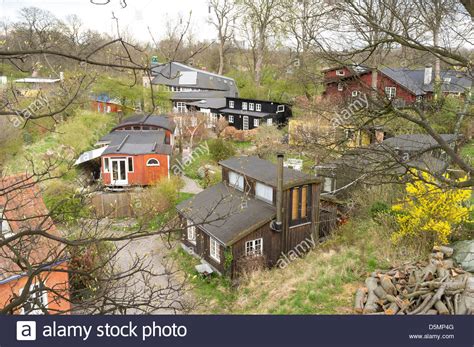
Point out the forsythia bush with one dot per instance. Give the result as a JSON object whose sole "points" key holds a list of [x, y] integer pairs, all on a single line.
{"points": [[430, 213]]}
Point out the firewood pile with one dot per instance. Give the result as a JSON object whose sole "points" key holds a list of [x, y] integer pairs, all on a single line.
{"points": [[438, 287]]}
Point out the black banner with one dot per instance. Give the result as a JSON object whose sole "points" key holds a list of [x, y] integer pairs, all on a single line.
{"points": [[117, 331]]}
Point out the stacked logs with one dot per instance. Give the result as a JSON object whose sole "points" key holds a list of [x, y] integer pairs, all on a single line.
{"points": [[438, 287]]}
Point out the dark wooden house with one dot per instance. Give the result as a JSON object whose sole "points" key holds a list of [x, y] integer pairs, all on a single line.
{"points": [[257, 214]]}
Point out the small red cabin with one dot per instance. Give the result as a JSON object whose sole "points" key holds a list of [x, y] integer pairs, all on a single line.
{"points": [[137, 152]]}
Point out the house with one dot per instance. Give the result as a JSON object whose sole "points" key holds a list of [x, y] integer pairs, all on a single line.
{"points": [[257, 214], [31, 86], [383, 163], [102, 103], [188, 84], [245, 114], [402, 85], [137, 152], [22, 209]]}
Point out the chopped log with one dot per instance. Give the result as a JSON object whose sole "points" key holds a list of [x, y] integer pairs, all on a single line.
{"points": [[392, 309], [417, 293], [431, 312], [371, 305], [441, 307], [387, 285], [360, 299], [422, 306], [437, 256], [428, 272], [447, 251], [380, 292], [442, 272], [434, 299], [448, 263], [449, 304], [456, 303], [466, 299]]}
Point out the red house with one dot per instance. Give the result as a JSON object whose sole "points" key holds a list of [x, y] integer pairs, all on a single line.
{"points": [[402, 85], [22, 209], [137, 152]]}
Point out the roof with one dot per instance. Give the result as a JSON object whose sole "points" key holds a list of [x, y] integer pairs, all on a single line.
{"points": [[136, 142], [266, 172], [226, 213], [37, 80], [215, 103], [413, 80], [180, 75], [416, 142], [139, 119], [246, 113], [24, 209]]}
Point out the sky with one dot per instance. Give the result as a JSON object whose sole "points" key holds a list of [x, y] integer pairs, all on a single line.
{"points": [[135, 17]]}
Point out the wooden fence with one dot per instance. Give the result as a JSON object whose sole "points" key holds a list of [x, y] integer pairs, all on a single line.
{"points": [[116, 204]]}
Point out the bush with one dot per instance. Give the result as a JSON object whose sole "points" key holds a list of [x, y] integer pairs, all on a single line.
{"points": [[378, 208], [64, 204], [221, 150]]}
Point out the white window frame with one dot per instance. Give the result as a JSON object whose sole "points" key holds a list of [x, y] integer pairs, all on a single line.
{"points": [[153, 165], [231, 119], [191, 232], [214, 250], [107, 167], [244, 106], [231, 104], [327, 184], [264, 192], [391, 92], [236, 180], [340, 72], [44, 299], [251, 106], [181, 107], [269, 121], [280, 108], [340, 87], [256, 122], [355, 93], [258, 107], [254, 247]]}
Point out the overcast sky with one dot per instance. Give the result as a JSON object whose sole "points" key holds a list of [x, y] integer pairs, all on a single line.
{"points": [[137, 15]]}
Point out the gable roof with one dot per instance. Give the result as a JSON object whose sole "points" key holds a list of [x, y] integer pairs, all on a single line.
{"points": [[180, 75], [226, 213], [266, 172], [155, 120], [136, 142], [417, 142], [24, 209]]}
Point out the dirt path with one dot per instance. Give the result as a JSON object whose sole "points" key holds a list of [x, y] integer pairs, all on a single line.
{"points": [[190, 186]]}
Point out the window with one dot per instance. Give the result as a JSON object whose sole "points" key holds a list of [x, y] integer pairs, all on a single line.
{"points": [[340, 87], [191, 229], [251, 106], [231, 104], [264, 192], [340, 73], [258, 107], [254, 247], [300, 205], [281, 108], [231, 119], [106, 165], [244, 106], [355, 93], [180, 107], [270, 121], [236, 180], [37, 300], [214, 250], [256, 122], [130, 164], [390, 92], [5, 227], [152, 162]]}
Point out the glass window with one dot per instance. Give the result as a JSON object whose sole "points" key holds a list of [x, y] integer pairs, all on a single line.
{"points": [[191, 231], [251, 106], [106, 165], [254, 247], [37, 300], [231, 104], [281, 108], [152, 162], [390, 92], [231, 119], [264, 192], [130, 164], [300, 205], [244, 106], [258, 107], [236, 180], [340, 87], [340, 72], [214, 250], [269, 121], [256, 122]]}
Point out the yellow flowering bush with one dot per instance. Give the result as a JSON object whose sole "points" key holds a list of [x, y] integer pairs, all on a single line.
{"points": [[430, 213]]}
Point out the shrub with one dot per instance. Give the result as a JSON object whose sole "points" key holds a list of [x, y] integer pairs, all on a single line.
{"points": [[378, 208], [221, 150], [63, 202], [429, 213]]}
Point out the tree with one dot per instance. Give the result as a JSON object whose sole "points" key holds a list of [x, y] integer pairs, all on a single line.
{"points": [[429, 214], [225, 15]]}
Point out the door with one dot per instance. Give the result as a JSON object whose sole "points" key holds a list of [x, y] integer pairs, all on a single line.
{"points": [[119, 172], [246, 123]]}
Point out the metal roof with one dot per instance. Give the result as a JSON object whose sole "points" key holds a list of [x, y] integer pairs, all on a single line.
{"points": [[37, 80], [136, 142], [266, 172], [246, 113], [139, 119], [416, 142], [215, 103], [226, 213]]}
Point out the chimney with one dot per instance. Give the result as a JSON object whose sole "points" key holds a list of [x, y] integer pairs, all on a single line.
{"points": [[277, 225], [428, 74]]}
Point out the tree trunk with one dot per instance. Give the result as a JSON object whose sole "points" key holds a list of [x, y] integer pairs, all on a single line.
{"points": [[437, 67]]}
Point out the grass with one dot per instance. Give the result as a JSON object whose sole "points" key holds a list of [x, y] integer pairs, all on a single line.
{"points": [[467, 151]]}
